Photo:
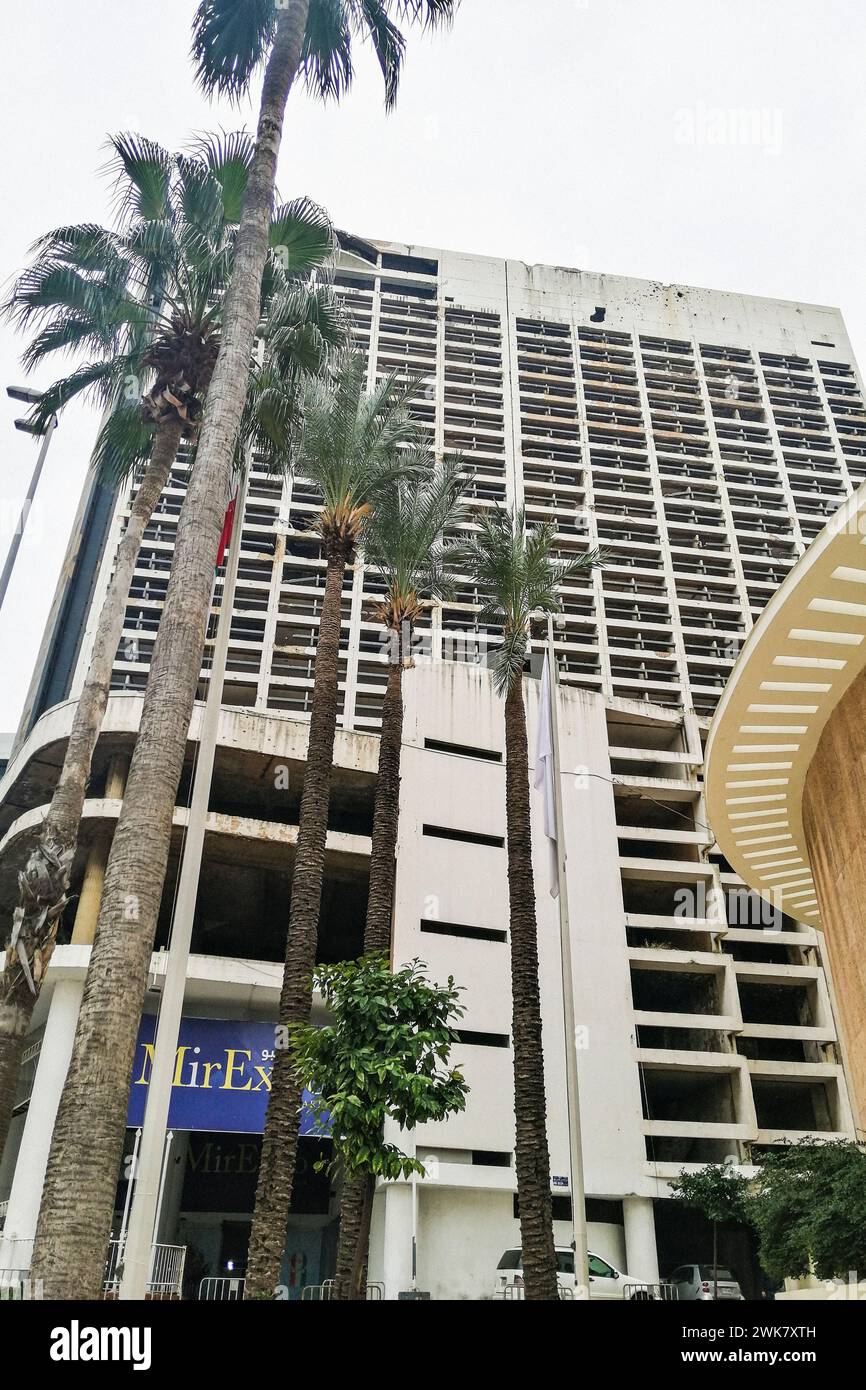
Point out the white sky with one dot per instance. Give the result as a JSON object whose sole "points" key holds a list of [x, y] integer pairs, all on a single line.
{"points": [[679, 140]]}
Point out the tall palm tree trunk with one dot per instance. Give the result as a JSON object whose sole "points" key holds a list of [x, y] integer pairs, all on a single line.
{"points": [[45, 880], [386, 816], [530, 1115], [78, 1195], [356, 1202], [280, 1140]]}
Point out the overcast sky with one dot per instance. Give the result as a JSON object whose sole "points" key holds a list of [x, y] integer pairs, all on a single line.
{"points": [[678, 140]]}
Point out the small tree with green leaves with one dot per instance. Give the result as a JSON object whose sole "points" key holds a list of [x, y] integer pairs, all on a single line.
{"points": [[721, 1194], [385, 1056], [809, 1209]]}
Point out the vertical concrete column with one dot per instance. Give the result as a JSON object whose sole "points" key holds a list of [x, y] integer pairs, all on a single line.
{"points": [[90, 896], [26, 1194], [640, 1238], [397, 1254], [172, 1194]]}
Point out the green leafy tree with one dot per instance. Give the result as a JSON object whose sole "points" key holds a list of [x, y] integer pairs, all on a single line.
{"points": [[809, 1209], [722, 1194], [385, 1056], [140, 305], [517, 574]]}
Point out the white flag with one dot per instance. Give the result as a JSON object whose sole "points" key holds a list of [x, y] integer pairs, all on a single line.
{"points": [[544, 775]]}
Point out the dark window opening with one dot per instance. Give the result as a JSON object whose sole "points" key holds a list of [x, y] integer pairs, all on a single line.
{"points": [[459, 929], [467, 837], [417, 265], [464, 750], [471, 1038], [402, 287], [598, 315]]}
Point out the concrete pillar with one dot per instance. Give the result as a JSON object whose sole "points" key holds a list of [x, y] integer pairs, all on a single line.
{"points": [[26, 1194], [640, 1239], [172, 1194], [397, 1254], [87, 912], [90, 897]]}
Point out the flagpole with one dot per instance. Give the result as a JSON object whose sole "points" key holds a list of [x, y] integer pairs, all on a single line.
{"points": [[575, 1147], [146, 1198]]}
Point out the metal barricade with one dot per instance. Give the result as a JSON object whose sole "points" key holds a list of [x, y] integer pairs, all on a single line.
{"points": [[650, 1293], [165, 1279], [217, 1289]]}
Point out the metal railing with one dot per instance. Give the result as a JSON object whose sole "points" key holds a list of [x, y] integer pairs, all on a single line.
{"points": [[324, 1293], [17, 1286], [221, 1289], [634, 1291], [646, 1293], [165, 1279], [318, 1293]]}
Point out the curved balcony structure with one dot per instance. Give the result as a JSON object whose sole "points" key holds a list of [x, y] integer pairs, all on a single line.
{"points": [[786, 759]]}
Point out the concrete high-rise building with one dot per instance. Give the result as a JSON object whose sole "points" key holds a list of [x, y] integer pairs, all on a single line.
{"points": [[701, 440]]}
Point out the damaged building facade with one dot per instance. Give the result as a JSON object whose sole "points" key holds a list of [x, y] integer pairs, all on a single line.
{"points": [[701, 440]]}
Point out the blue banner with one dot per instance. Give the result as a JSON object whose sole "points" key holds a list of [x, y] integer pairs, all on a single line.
{"points": [[222, 1077]]}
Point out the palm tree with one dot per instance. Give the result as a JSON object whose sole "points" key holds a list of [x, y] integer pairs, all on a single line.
{"points": [[143, 300], [407, 539], [231, 40], [303, 328], [353, 447], [517, 575]]}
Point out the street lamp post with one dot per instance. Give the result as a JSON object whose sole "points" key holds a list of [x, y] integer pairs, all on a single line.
{"points": [[575, 1146], [23, 393], [150, 1169]]}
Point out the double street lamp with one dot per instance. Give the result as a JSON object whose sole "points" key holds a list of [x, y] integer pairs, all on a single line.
{"points": [[29, 397]]}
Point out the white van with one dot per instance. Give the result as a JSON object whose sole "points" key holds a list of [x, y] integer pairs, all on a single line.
{"points": [[605, 1280]]}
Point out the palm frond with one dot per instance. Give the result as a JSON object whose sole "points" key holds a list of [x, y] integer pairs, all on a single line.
{"points": [[301, 236], [326, 55], [404, 535], [87, 246], [123, 442], [95, 381], [67, 332], [516, 574], [271, 418], [351, 441], [431, 14], [141, 304], [199, 197], [230, 40], [228, 158], [388, 43], [142, 171]]}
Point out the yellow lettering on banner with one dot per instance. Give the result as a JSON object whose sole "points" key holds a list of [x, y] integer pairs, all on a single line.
{"points": [[148, 1057], [178, 1066], [232, 1066], [208, 1068]]}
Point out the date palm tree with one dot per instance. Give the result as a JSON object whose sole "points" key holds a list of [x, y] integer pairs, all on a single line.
{"points": [[409, 538], [142, 302], [517, 574], [355, 447]]}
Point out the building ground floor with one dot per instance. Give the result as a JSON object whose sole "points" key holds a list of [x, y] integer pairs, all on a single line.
{"points": [[706, 1030], [444, 1234]]}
